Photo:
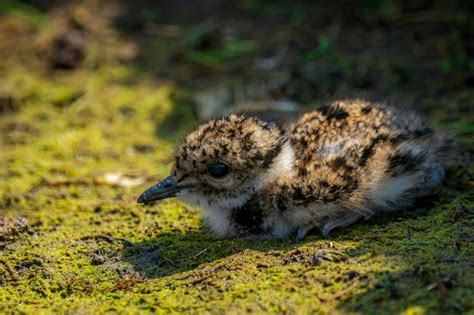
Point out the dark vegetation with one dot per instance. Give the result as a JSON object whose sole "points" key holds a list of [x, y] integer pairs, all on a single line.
{"points": [[94, 95]]}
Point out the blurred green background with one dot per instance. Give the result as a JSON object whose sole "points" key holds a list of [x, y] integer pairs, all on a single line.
{"points": [[95, 94]]}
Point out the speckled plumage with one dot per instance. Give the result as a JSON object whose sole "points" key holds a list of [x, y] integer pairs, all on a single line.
{"points": [[333, 166]]}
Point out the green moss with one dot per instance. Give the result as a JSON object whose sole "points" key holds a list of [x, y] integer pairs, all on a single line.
{"points": [[88, 247]]}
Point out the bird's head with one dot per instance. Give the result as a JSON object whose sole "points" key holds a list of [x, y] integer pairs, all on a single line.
{"points": [[224, 162]]}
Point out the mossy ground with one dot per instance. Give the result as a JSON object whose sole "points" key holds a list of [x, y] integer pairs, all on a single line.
{"points": [[77, 148]]}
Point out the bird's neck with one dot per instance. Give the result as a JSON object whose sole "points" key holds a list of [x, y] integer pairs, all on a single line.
{"points": [[250, 215], [282, 164]]}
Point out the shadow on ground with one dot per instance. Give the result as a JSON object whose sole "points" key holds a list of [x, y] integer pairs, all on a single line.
{"points": [[176, 252], [429, 244]]}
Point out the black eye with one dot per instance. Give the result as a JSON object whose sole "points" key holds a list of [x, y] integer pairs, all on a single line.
{"points": [[218, 170]]}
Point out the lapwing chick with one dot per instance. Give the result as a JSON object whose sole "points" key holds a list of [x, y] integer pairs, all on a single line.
{"points": [[333, 166]]}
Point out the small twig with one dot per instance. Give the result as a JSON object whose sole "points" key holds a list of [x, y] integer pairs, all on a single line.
{"points": [[341, 293], [201, 252], [200, 280], [194, 274], [169, 261]]}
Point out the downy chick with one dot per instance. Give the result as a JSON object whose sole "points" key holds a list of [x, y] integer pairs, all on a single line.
{"points": [[333, 166]]}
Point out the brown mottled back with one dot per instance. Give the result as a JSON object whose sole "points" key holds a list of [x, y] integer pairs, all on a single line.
{"points": [[339, 163]]}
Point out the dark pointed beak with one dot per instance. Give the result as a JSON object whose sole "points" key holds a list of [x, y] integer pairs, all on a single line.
{"points": [[167, 188]]}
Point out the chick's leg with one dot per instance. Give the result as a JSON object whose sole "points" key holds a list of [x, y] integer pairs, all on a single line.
{"points": [[301, 232], [432, 180], [340, 221]]}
